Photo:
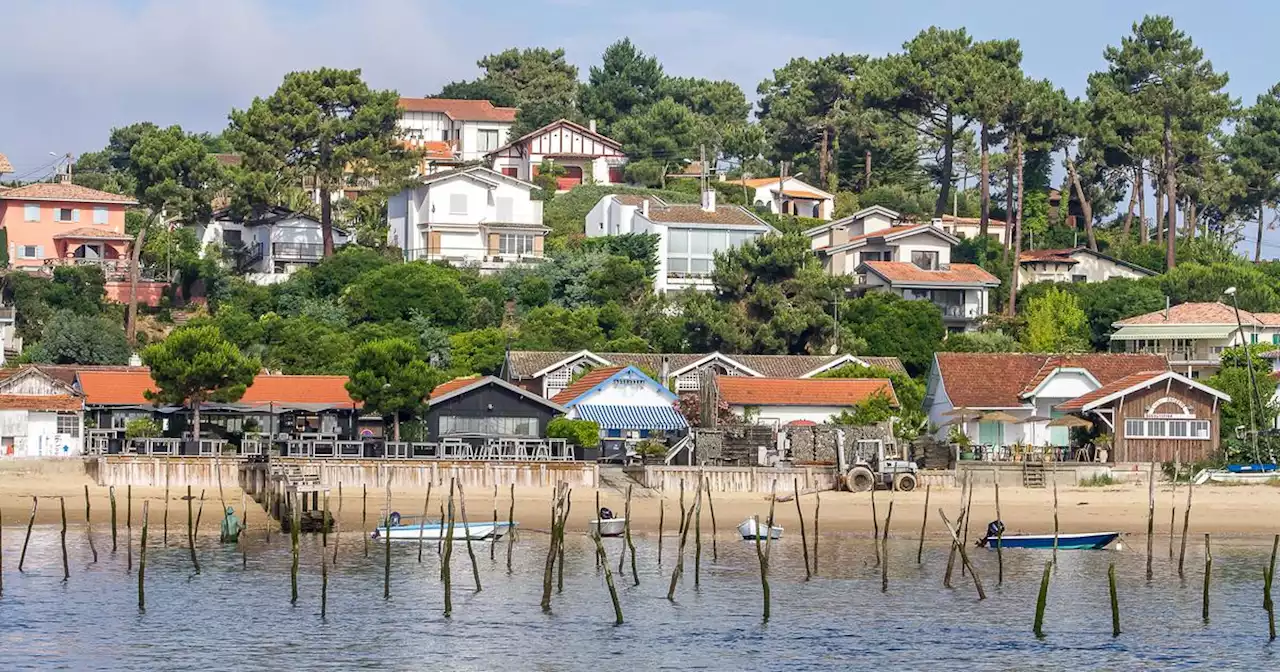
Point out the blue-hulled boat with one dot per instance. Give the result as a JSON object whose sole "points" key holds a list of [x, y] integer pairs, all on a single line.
{"points": [[1090, 541], [1254, 468]]}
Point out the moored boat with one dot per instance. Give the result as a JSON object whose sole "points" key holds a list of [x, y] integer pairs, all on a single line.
{"points": [[1087, 541], [750, 531], [435, 531], [607, 527]]}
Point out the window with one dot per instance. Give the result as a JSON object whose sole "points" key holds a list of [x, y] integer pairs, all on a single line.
{"points": [[1167, 429], [31, 212], [1156, 428], [458, 204], [694, 250], [1253, 338], [99, 215], [69, 424], [489, 426], [67, 215], [1199, 429], [925, 260], [883, 255], [515, 243], [232, 238], [29, 252], [1079, 278], [444, 135], [511, 171], [1275, 339], [1178, 429], [486, 140], [1134, 428]]}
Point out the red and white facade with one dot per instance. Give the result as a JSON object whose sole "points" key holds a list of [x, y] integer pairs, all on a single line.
{"points": [[586, 155]]}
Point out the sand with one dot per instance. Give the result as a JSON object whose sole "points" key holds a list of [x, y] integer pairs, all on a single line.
{"points": [[1227, 511]]}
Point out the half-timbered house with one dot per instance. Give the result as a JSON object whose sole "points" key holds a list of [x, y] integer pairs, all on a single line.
{"points": [[584, 154]]}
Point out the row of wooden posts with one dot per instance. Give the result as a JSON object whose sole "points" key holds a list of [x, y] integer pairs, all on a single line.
{"points": [[690, 519]]}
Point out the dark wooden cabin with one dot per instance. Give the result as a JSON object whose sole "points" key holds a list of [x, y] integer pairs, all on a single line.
{"points": [[482, 409]]}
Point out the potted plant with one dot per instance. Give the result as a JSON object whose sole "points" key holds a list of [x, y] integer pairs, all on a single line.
{"points": [[651, 451], [958, 438]]}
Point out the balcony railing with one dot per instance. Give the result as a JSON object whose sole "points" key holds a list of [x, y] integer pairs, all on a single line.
{"points": [[463, 257], [1181, 355], [7, 313], [113, 269], [957, 311], [297, 251]]}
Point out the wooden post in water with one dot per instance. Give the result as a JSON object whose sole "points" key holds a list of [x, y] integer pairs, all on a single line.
{"points": [[683, 517], [128, 507], [715, 552], [241, 538], [557, 498], [493, 540], [1115, 601], [364, 517], [1186, 521], [191, 530], [564, 520], [964, 554], [968, 508], [951, 557], [1042, 600], [685, 524], [1269, 576], [884, 547], [999, 536], [1173, 503], [446, 558], [88, 525], [817, 508], [66, 568], [804, 540], [295, 533], [1055, 521], [662, 514], [697, 535], [324, 566], [608, 576], [631, 546], [511, 526], [875, 524], [422, 523], [111, 496], [1, 553], [1208, 570], [338, 529], [764, 567], [440, 539], [924, 522], [166, 501], [1151, 515], [773, 501], [462, 508], [142, 558]]}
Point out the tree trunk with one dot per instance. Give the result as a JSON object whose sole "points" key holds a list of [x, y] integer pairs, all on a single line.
{"points": [[326, 219], [1257, 242], [823, 158], [833, 166], [131, 318], [397, 427], [1159, 208], [1086, 208], [985, 178], [195, 423], [1144, 233], [1192, 220], [1012, 309], [866, 170], [1128, 217], [948, 158], [1171, 193], [1008, 206]]}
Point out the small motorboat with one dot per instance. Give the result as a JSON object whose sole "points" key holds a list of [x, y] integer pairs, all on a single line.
{"points": [[751, 532], [433, 531], [606, 525], [1089, 541]]}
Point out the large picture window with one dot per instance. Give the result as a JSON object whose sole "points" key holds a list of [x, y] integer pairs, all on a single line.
{"points": [[488, 426], [692, 251], [1198, 430], [515, 243]]}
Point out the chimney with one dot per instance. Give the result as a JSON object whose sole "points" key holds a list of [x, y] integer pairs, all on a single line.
{"points": [[708, 200], [591, 125], [1166, 308], [666, 370], [644, 207]]}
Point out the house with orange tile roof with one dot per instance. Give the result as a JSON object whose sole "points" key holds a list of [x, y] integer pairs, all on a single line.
{"points": [[689, 236], [1194, 335], [978, 392], [627, 404], [40, 416], [455, 131], [789, 196], [785, 401], [5, 166], [1075, 264], [56, 223], [586, 155], [971, 227]]}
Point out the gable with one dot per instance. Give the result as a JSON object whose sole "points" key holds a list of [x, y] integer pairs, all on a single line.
{"points": [[562, 138], [31, 381], [492, 395]]}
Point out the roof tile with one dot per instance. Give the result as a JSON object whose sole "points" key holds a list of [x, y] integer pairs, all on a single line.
{"points": [[63, 191], [694, 214], [452, 385], [51, 402], [1109, 388], [998, 380], [582, 385], [747, 391], [129, 388], [461, 110], [903, 271], [5, 166], [91, 233], [525, 363], [1195, 313]]}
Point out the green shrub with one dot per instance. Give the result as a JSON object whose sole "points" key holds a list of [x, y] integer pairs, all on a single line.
{"points": [[584, 433], [1098, 481], [142, 428]]}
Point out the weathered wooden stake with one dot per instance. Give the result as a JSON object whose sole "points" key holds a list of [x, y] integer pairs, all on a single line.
{"points": [[1173, 504], [764, 567], [773, 501], [626, 531], [884, 546], [557, 498], [697, 536], [142, 558], [324, 566], [111, 496], [462, 508], [875, 524], [686, 523], [1, 553], [422, 523], [1266, 598], [338, 530], [295, 535], [191, 530], [511, 526], [817, 508], [964, 554], [924, 522], [1208, 570], [968, 506], [804, 540], [1055, 521], [1115, 600], [88, 525], [66, 568], [1186, 521], [244, 529], [608, 577], [683, 517], [1041, 600], [446, 564], [386, 544], [715, 552], [951, 557], [1151, 516], [999, 537], [128, 507], [364, 517], [440, 540], [564, 519], [493, 540], [166, 501], [662, 514]]}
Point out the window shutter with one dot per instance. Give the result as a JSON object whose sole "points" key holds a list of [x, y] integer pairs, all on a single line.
{"points": [[39, 252], [75, 214]]}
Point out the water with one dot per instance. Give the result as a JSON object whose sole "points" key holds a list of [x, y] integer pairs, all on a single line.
{"points": [[241, 619]]}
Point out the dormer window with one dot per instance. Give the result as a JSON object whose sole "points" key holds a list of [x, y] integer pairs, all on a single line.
{"points": [[924, 260]]}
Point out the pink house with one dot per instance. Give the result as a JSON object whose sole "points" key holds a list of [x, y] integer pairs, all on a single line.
{"points": [[49, 224]]}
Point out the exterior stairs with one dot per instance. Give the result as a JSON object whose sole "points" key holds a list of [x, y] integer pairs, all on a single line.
{"points": [[1033, 474]]}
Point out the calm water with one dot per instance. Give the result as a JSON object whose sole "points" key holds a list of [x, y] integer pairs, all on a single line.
{"points": [[240, 619]]}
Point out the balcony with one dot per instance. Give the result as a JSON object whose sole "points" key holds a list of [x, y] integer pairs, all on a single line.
{"points": [[471, 258], [297, 252], [112, 269]]}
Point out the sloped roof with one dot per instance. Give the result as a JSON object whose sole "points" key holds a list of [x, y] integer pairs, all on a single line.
{"points": [[1194, 313], [638, 200], [694, 214], [89, 232], [63, 191], [842, 392], [999, 380], [461, 110], [5, 166], [557, 124], [483, 173], [452, 386], [1067, 256], [50, 402], [525, 364], [117, 388], [907, 272], [460, 386], [582, 385], [1117, 385], [892, 232]]}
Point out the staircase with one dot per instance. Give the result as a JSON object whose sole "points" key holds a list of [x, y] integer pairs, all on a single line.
{"points": [[1033, 474]]}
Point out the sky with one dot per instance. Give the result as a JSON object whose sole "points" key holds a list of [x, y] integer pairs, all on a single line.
{"points": [[72, 70]]}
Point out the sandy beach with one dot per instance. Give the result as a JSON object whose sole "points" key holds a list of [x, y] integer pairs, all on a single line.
{"points": [[1230, 511]]}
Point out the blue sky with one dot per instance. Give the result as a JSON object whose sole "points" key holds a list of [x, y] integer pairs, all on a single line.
{"points": [[77, 68]]}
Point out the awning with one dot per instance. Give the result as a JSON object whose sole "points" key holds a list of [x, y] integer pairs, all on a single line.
{"points": [[633, 417], [1169, 332]]}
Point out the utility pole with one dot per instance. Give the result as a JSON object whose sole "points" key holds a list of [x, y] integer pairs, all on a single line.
{"points": [[782, 179], [866, 169]]}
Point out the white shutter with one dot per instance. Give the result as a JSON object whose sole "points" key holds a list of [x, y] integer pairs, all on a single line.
{"points": [[39, 252], [75, 214], [99, 215]]}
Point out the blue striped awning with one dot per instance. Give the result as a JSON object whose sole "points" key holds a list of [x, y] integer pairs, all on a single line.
{"points": [[633, 417]]}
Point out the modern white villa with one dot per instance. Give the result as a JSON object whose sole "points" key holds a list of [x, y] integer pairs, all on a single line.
{"points": [[1193, 335], [468, 217], [789, 196], [1076, 264], [268, 245]]}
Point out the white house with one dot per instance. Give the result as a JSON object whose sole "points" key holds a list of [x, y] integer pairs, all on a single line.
{"points": [[910, 260], [468, 129], [971, 227], [586, 156], [790, 196], [1021, 386], [688, 235], [784, 401], [628, 405], [1077, 264], [470, 216], [40, 416], [269, 245], [1193, 335]]}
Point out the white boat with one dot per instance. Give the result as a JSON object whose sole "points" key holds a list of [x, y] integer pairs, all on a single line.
{"points": [[609, 527], [750, 532], [436, 531]]}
